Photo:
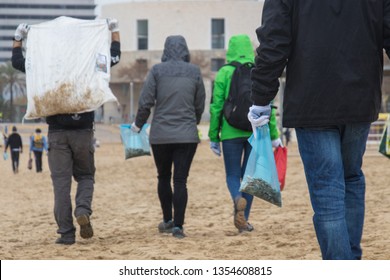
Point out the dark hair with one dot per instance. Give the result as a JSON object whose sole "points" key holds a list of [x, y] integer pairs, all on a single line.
{"points": [[14, 129], [38, 130]]}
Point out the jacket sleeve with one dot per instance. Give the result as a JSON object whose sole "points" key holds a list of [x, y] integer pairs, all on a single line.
{"points": [[386, 27], [275, 36], [147, 99], [200, 97], [31, 143], [45, 147], [18, 60], [273, 125], [221, 84], [115, 51]]}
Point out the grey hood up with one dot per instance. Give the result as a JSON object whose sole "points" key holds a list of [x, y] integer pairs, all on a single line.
{"points": [[175, 89]]}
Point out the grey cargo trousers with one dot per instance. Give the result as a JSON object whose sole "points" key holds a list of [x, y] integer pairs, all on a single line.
{"points": [[71, 154]]}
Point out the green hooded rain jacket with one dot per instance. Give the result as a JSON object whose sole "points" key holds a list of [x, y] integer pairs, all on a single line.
{"points": [[240, 49]]}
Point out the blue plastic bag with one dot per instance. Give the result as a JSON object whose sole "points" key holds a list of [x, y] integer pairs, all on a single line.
{"points": [[261, 177], [135, 144], [5, 155]]}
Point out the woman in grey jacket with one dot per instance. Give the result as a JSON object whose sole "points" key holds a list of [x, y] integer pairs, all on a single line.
{"points": [[175, 88]]}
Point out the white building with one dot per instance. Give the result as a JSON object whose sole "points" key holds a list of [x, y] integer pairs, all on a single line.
{"points": [[207, 26]]}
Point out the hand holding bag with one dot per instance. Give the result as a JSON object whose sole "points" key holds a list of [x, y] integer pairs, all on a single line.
{"points": [[135, 143]]}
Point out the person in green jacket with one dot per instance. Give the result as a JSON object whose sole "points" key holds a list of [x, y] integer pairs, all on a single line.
{"points": [[236, 148]]}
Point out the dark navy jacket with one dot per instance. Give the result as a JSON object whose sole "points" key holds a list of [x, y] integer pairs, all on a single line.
{"points": [[333, 54]]}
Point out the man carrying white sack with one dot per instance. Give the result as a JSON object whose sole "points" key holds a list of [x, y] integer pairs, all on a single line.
{"points": [[71, 151]]}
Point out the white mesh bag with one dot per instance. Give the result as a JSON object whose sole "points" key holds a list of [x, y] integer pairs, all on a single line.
{"points": [[67, 67]]}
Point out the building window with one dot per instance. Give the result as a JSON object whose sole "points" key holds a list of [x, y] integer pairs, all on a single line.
{"points": [[142, 34], [217, 33], [217, 63]]}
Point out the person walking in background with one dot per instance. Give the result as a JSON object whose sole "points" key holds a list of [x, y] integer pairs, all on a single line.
{"points": [[175, 88], [14, 141], [70, 152], [235, 145], [332, 95], [38, 144]]}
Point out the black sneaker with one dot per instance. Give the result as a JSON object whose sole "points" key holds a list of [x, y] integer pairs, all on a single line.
{"points": [[86, 230], [178, 232], [66, 240], [165, 227]]}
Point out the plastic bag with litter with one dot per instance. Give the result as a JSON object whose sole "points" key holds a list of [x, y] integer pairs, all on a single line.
{"points": [[261, 178], [135, 144]]}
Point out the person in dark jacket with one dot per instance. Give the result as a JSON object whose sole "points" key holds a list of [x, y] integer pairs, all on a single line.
{"points": [[71, 152], [333, 54], [175, 88], [15, 144]]}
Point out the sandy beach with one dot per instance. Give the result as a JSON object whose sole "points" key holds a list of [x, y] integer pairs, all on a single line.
{"points": [[127, 211]]}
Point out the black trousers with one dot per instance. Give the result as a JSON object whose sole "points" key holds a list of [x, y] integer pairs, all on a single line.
{"points": [[15, 160], [179, 155], [38, 160]]}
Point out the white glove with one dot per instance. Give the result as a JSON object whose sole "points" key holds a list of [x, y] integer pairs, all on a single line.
{"points": [[259, 116], [216, 148], [21, 31], [276, 143], [113, 25], [135, 128]]}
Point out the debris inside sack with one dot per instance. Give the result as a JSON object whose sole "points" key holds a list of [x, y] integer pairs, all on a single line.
{"points": [[261, 189]]}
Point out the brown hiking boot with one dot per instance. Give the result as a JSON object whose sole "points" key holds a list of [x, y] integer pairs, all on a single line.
{"points": [[239, 213], [86, 230]]}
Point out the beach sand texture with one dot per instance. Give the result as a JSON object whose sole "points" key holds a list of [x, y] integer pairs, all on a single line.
{"points": [[127, 212]]}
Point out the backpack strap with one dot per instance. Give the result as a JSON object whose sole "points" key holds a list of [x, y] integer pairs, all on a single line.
{"points": [[237, 64]]}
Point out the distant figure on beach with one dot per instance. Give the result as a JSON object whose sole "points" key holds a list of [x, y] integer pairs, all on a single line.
{"points": [[235, 145], [14, 141], [70, 152], [287, 135], [38, 144], [175, 88], [332, 52]]}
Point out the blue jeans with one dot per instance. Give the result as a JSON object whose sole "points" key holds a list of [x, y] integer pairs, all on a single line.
{"points": [[235, 155], [332, 158]]}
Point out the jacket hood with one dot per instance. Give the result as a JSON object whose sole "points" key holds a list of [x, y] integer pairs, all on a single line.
{"points": [[240, 49], [175, 48]]}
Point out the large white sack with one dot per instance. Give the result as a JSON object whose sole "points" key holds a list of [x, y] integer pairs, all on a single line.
{"points": [[67, 67]]}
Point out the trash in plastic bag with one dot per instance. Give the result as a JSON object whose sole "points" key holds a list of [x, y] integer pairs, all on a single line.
{"points": [[280, 154], [384, 146], [67, 67], [29, 163], [261, 177], [5, 155], [135, 144]]}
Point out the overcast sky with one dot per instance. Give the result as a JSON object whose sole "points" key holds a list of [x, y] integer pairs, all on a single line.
{"points": [[98, 3]]}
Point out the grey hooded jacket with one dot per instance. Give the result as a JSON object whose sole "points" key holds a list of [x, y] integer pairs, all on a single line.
{"points": [[175, 88]]}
